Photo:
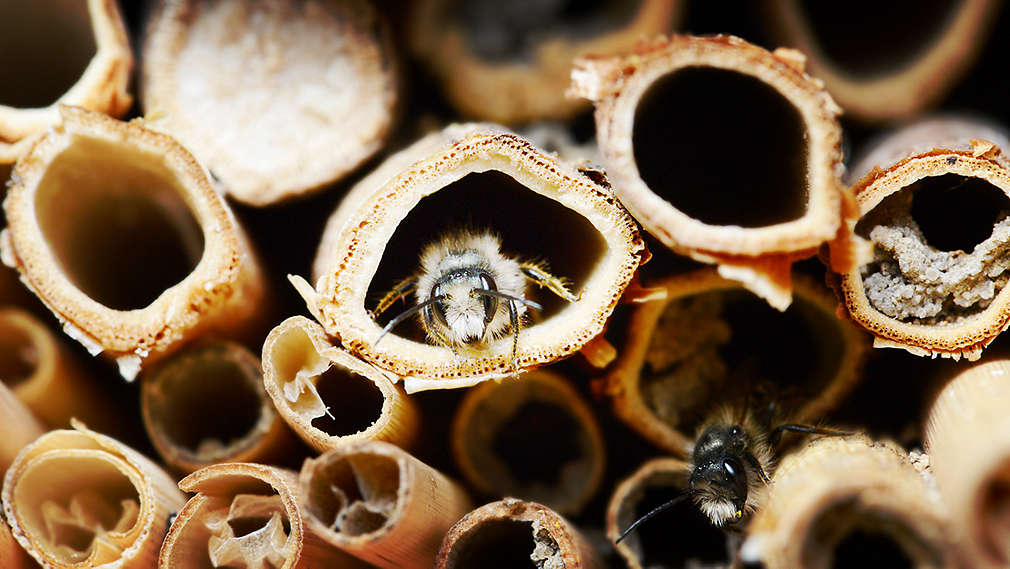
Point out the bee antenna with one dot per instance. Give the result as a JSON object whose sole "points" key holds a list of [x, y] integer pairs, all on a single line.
{"points": [[655, 511], [406, 314], [499, 294]]}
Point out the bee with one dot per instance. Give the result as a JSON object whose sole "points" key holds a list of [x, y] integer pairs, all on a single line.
{"points": [[469, 293], [732, 461]]}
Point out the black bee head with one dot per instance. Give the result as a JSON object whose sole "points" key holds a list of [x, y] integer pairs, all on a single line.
{"points": [[464, 307]]}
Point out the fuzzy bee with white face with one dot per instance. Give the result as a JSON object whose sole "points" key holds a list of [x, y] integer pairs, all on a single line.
{"points": [[469, 293]]}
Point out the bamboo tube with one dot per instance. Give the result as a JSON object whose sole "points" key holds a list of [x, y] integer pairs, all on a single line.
{"points": [[328, 397], [885, 61], [119, 232], [11, 554], [245, 515], [380, 504], [75, 498], [214, 73], [44, 374], [844, 500], [480, 177], [683, 537], [509, 63], [58, 52], [928, 272], [968, 440], [206, 404], [533, 438], [709, 342], [514, 533], [670, 117], [19, 427]]}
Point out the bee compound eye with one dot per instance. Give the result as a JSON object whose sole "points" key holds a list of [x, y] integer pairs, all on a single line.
{"points": [[729, 468], [490, 301], [736, 430]]}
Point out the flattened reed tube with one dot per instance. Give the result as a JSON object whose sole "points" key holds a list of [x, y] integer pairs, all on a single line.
{"points": [[724, 151], [532, 437], [117, 229], [75, 498], [276, 98], [53, 52], [841, 500], [380, 504], [44, 374], [968, 440], [206, 404], [511, 534], [885, 61], [681, 537], [929, 262], [19, 427], [328, 397], [246, 515], [710, 342], [502, 184], [509, 63]]}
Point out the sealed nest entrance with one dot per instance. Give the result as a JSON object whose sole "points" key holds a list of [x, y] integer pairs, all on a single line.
{"points": [[19, 357], [506, 31], [890, 35], [354, 495], [940, 249], [205, 405], [995, 515], [722, 147], [245, 527], [531, 227], [496, 544], [680, 537], [45, 46], [354, 403], [116, 223], [729, 345]]}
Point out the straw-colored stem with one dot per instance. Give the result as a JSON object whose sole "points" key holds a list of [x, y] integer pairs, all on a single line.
{"points": [[19, 427], [118, 230], [968, 440], [885, 61], [380, 504], [929, 248], [724, 151], [78, 499], [682, 357], [11, 554], [59, 52], [246, 515], [843, 499], [533, 438], [44, 374], [277, 98], [206, 404], [328, 397], [513, 533]]}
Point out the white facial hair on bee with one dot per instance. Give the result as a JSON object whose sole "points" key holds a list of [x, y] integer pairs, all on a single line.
{"points": [[464, 311]]}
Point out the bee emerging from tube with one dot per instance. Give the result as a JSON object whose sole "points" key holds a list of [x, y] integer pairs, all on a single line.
{"points": [[731, 463], [469, 294]]}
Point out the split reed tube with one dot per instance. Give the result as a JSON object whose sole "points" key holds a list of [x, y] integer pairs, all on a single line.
{"points": [[724, 151]]}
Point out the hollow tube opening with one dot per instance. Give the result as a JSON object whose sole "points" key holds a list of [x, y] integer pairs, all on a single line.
{"points": [[995, 515], [536, 443], [19, 356], [722, 147], [45, 46], [528, 224], [851, 534], [494, 544], [116, 222], [354, 402]]}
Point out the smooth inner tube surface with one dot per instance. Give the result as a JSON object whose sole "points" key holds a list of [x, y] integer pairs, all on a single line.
{"points": [[873, 39], [494, 544], [45, 45], [722, 147]]}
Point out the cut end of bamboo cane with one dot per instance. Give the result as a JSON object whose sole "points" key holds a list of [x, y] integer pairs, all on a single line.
{"points": [[329, 397], [724, 151], [277, 100], [509, 63], [499, 442], [689, 352], [59, 52], [118, 231], [206, 404], [930, 273], [500, 184]]}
